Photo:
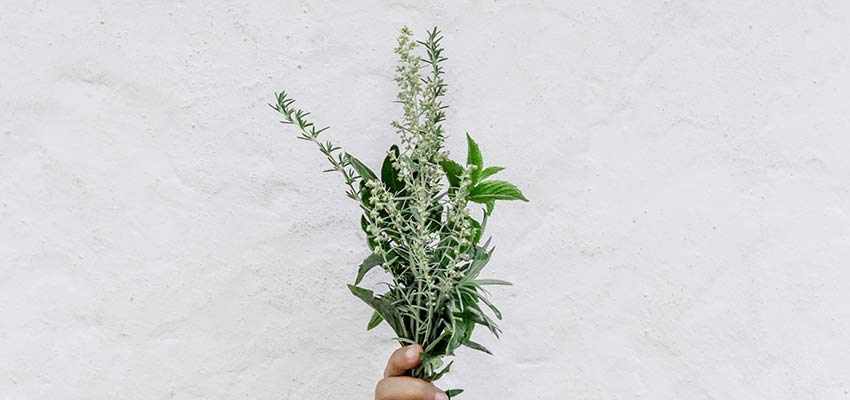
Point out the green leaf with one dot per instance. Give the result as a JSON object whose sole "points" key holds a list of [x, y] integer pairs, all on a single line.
{"points": [[370, 239], [453, 392], [476, 230], [485, 282], [488, 191], [453, 172], [490, 204], [442, 372], [480, 257], [476, 346], [477, 316], [490, 171], [389, 175], [461, 330], [380, 304], [473, 157], [492, 307], [374, 321], [364, 224], [370, 262], [435, 215], [430, 361], [365, 192], [361, 168]]}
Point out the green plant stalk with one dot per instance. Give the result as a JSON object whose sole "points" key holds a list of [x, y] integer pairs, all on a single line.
{"points": [[417, 216]]}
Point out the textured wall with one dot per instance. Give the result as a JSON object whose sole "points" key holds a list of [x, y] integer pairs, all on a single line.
{"points": [[163, 237]]}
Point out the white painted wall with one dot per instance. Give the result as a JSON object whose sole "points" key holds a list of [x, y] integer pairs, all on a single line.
{"points": [[163, 237]]}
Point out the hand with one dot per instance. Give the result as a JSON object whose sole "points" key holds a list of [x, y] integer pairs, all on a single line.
{"points": [[397, 386]]}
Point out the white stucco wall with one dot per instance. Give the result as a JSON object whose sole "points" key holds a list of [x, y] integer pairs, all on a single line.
{"points": [[163, 237]]}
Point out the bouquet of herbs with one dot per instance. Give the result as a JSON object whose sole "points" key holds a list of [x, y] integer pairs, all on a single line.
{"points": [[417, 216]]}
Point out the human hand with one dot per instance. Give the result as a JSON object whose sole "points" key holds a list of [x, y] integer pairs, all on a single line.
{"points": [[396, 385]]}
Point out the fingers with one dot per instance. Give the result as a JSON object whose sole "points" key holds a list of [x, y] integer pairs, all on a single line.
{"points": [[397, 386], [403, 360], [407, 388]]}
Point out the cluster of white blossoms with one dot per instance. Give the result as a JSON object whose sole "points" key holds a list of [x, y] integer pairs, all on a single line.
{"points": [[404, 222], [409, 83]]}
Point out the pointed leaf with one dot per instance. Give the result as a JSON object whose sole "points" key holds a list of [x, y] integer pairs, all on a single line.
{"points": [[453, 172], [490, 204], [461, 330], [389, 175], [365, 192], [490, 171], [480, 318], [431, 361], [485, 282], [361, 168], [370, 262], [476, 346], [442, 372], [492, 307], [473, 157], [374, 321], [480, 257], [453, 392], [379, 304], [370, 239], [495, 190], [477, 230]]}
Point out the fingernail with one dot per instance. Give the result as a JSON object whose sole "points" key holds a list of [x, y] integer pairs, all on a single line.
{"points": [[441, 396], [412, 353]]}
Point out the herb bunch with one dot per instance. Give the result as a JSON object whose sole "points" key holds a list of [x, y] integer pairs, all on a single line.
{"points": [[417, 218]]}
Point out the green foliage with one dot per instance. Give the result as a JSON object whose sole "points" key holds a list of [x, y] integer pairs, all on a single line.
{"points": [[374, 321], [495, 190], [370, 262], [474, 159], [417, 216]]}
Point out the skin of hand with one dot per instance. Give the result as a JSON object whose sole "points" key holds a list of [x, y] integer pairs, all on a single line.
{"points": [[396, 385]]}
